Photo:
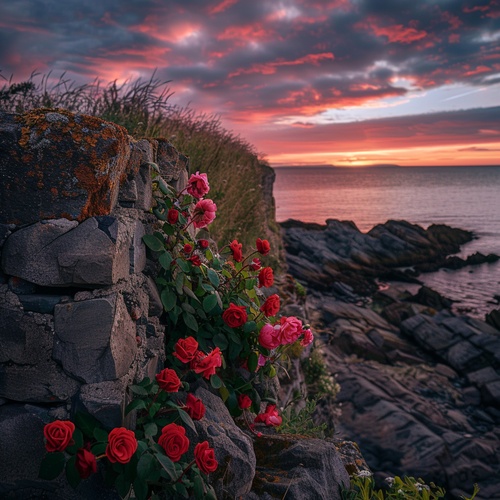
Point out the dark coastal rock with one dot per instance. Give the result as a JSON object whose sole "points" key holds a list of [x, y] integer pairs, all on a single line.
{"points": [[429, 297], [338, 252], [298, 468]]}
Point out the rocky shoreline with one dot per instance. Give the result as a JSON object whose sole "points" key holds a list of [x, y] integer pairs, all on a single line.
{"points": [[420, 384]]}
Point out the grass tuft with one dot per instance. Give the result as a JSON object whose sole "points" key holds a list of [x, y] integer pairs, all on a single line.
{"points": [[240, 178]]}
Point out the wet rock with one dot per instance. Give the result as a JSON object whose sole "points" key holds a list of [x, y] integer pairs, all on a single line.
{"points": [[429, 297]]}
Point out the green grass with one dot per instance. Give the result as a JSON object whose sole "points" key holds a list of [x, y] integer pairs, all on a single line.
{"points": [[235, 170]]}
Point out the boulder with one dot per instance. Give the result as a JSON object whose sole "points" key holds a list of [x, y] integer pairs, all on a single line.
{"points": [[95, 340], [60, 164]]}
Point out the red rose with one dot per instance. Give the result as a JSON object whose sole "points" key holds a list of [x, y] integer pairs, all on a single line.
{"points": [[122, 444], [185, 349], [235, 316], [188, 248], [174, 441], [207, 365], [195, 260], [236, 250], [58, 435], [271, 306], [205, 458], [194, 407], [168, 380], [244, 401], [263, 246], [266, 277], [86, 463], [270, 417], [172, 216], [290, 329], [204, 244], [255, 265]]}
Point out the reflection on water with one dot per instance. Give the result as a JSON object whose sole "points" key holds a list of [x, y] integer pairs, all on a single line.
{"points": [[465, 197]]}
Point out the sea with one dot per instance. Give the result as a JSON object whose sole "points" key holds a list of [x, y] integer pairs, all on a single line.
{"points": [[463, 197]]}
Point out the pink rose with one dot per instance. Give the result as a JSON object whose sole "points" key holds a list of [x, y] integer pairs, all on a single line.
{"points": [[198, 185], [307, 339], [269, 336], [290, 329], [270, 417], [204, 213]]}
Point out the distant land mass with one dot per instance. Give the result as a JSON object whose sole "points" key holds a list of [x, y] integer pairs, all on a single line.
{"points": [[375, 165]]}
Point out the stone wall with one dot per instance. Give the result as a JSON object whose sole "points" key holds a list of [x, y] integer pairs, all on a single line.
{"points": [[79, 315]]}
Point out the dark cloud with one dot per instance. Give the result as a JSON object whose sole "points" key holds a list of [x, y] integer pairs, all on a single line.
{"points": [[263, 60]]}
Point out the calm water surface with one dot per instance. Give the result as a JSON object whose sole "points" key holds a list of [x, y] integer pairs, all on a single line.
{"points": [[464, 197]]}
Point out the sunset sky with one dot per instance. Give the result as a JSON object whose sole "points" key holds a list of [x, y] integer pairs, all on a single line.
{"points": [[344, 82]]}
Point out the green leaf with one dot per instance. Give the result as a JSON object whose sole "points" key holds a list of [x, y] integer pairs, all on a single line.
{"points": [[154, 408], [250, 326], [99, 448], [216, 382], [185, 266], [78, 442], [136, 404], [145, 466], [181, 490], [168, 229], [253, 361], [168, 299], [224, 393], [190, 293], [167, 465], [140, 489], [213, 277], [234, 350], [137, 389], [165, 260], [100, 435], [249, 284], [72, 474], [220, 340], [187, 420], [174, 316], [150, 429], [199, 490], [207, 287], [179, 283], [52, 465], [188, 308], [190, 321], [209, 302], [122, 485], [86, 422], [153, 242]]}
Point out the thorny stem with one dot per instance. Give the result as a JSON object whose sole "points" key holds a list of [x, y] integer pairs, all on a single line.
{"points": [[185, 470]]}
